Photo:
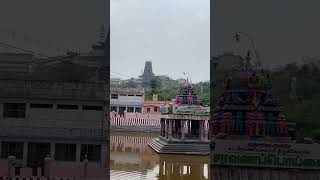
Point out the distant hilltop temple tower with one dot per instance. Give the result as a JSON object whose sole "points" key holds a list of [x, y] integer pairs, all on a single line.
{"points": [[147, 74]]}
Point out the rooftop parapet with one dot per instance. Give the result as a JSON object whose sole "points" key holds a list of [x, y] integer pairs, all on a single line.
{"points": [[123, 90], [53, 90]]}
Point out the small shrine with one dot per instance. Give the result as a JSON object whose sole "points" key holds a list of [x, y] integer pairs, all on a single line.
{"points": [[247, 107], [248, 127], [184, 124]]}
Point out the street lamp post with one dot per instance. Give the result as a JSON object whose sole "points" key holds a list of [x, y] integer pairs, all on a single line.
{"points": [[237, 37]]}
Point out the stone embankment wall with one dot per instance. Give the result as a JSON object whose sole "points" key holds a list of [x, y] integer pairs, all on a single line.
{"points": [[135, 122]]}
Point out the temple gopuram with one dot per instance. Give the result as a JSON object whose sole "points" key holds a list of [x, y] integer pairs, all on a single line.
{"points": [[184, 127], [249, 129], [247, 107]]}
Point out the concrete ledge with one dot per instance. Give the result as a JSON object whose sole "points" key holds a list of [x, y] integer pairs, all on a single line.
{"points": [[52, 133], [135, 129], [163, 147], [186, 141]]}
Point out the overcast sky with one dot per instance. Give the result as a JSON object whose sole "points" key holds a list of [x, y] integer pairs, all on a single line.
{"points": [[173, 34], [283, 31], [49, 25]]}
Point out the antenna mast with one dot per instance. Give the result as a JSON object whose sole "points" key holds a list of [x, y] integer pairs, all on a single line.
{"points": [[237, 38]]}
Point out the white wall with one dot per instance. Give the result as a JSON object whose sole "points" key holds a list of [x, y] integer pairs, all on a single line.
{"points": [[58, 118], [127, 101]]}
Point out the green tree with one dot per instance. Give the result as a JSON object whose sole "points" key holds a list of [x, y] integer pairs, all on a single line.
{"points": [[131, 84], [155, 83]]}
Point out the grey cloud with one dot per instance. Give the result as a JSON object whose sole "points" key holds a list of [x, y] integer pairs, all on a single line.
{"points": [[170, 32]]}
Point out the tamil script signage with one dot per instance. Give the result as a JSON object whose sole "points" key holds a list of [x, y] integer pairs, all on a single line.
{"points": [[265, 154], [192, 110]]}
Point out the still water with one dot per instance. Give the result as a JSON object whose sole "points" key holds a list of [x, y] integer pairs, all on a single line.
{"points": [[131, 158]]}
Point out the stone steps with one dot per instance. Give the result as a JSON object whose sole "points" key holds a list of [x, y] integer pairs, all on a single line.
{"points": [[162, 147], [135, 129]]}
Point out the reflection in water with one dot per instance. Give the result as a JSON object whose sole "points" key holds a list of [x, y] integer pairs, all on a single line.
{"points": [[131, 158]]}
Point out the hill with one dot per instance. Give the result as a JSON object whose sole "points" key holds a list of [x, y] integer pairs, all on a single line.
{"points": [[167, 89]]}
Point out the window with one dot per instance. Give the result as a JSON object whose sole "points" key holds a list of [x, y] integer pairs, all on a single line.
{"points": [[130, 109], [49, 106], [34, 171], [114, 109], [122, 110], [155, 109], [17, 170], [138, 109], [148, 110], [139, 95], [14, 110], [66, 106], [123, 95], [114, 96], [12, 149], [37, 151], [92, 151], [131, 95], [65, 152], [92, 108]]}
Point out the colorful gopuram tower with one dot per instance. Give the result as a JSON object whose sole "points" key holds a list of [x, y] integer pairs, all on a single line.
{"points": [[248, 128], [247, 107], [187, 96]]}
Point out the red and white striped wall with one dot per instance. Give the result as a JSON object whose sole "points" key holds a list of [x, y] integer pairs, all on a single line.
{"points": [[135, 119]]}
